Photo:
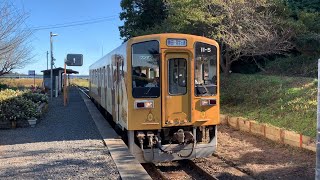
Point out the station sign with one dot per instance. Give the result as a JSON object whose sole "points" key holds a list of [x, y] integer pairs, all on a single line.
{"points": [[31, 72], [74, 60]]}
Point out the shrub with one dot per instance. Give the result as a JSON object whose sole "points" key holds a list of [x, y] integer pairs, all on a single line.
{"points": [[18, 108], [35, 97], [9, 93], [305, 66], [19, 105], [3, 86]]}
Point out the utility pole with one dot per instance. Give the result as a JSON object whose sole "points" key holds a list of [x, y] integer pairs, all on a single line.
{"points": [[51, 71], [47, 59]]}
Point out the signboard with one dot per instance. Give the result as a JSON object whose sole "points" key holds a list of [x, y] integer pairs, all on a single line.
{"points": [[31, 72], [177, 42], [74, 60]]}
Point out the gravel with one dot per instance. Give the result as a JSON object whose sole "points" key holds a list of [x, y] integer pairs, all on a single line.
{"points": [[262, 158], [64, 145]]}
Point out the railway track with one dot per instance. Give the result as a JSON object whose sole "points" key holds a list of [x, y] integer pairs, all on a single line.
{"points": [[185, 169], [213, 168]]}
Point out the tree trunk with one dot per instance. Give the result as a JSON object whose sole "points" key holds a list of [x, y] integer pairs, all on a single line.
{"points": [[226, 65]]}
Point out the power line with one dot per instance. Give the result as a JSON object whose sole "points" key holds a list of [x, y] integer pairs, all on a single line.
{"points": [[75, 23]]}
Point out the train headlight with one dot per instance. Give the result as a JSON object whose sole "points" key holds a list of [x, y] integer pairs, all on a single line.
{"points": [[148, 104], [208, 102], [144, 104]]}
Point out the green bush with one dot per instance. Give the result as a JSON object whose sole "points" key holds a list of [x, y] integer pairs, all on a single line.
{"points": [[36, 97], [19, 105], [3, 86], [9, 93], [18, 108], [305, 66]]}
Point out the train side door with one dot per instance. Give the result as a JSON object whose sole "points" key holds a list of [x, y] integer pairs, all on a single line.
{"points": [[177, 89], [117, 91]]}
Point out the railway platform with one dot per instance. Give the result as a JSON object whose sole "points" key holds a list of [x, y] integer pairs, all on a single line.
{"points": [[72, 142]]}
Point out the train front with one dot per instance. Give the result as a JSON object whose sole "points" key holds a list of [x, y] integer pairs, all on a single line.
{"points": [[175, 93]]}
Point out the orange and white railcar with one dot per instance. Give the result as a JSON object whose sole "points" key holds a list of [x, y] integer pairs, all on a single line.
{"points": [[162, 90]]}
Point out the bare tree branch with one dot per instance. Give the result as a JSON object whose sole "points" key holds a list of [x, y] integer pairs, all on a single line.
{"points": [[250, 29], [14, 50]]}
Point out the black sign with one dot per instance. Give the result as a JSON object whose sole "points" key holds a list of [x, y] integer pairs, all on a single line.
{"points": [[74, 60]]}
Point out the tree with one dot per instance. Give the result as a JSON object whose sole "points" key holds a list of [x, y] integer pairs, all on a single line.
{"points": [[247, 28], [250, 29], [140, 15], [14, 49]]}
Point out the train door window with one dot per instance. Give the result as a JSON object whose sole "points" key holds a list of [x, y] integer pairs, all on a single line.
{"points": [[177, 76]]}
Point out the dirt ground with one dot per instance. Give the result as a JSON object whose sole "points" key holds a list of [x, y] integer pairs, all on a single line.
{"points": [[262, 158]]}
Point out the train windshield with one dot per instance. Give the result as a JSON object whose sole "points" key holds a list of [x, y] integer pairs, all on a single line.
{"points": [[205, 69], [146, 70]]}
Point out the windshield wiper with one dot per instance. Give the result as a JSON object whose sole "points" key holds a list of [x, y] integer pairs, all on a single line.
{"points": [[205, 88], [148, 90]]}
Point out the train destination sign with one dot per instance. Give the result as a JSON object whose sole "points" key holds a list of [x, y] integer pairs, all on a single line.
{"points": [[74, 59], [177, 42]]}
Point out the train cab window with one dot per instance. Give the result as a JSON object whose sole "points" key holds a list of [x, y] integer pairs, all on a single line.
{"points": [[205, 69], [146, 70], [177, 76]]}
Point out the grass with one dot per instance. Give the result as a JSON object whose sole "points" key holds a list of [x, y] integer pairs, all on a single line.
{"points": [[287, 102], [80, 82], [20, 83]]}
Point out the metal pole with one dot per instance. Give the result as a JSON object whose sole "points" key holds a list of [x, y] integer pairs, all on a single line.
{"points": [[318, 128], [51, 71]]}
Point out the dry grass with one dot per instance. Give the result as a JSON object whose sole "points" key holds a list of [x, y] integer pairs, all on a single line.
{"points": [[80, 82], [20, 83]]}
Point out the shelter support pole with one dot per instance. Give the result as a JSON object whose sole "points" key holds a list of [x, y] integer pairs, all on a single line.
{"points": [[65, 85]]}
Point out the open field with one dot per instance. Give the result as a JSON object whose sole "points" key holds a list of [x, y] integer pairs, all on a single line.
{"points": [[80, 82], [20, 83], [287, 102]]}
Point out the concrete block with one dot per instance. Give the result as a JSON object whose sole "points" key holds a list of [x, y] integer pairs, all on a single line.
{"points": [[244, 124], [272, 133], [311, 147], [291, 138], [257, 128], [306, 140], [309, 143], [223, 119], [233, 122]]}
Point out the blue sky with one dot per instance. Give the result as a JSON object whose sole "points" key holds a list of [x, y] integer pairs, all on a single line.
{"points": [[88, 40]]}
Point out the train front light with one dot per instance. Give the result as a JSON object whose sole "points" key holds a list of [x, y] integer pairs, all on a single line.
{"points": [[144, 104], [208, 102]]}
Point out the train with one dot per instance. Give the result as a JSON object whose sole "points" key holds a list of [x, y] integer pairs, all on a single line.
{"points": [[162, 92]]}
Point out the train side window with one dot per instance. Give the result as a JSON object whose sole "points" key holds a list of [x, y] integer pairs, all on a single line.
{"points": [[177, 76], [109, 76]]}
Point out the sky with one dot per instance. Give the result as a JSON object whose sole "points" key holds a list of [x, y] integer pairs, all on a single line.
{"points": [[91, 40]]}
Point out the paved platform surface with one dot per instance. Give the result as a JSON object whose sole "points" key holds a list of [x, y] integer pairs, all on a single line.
{"points": [[64, 145], [128, 166]]}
